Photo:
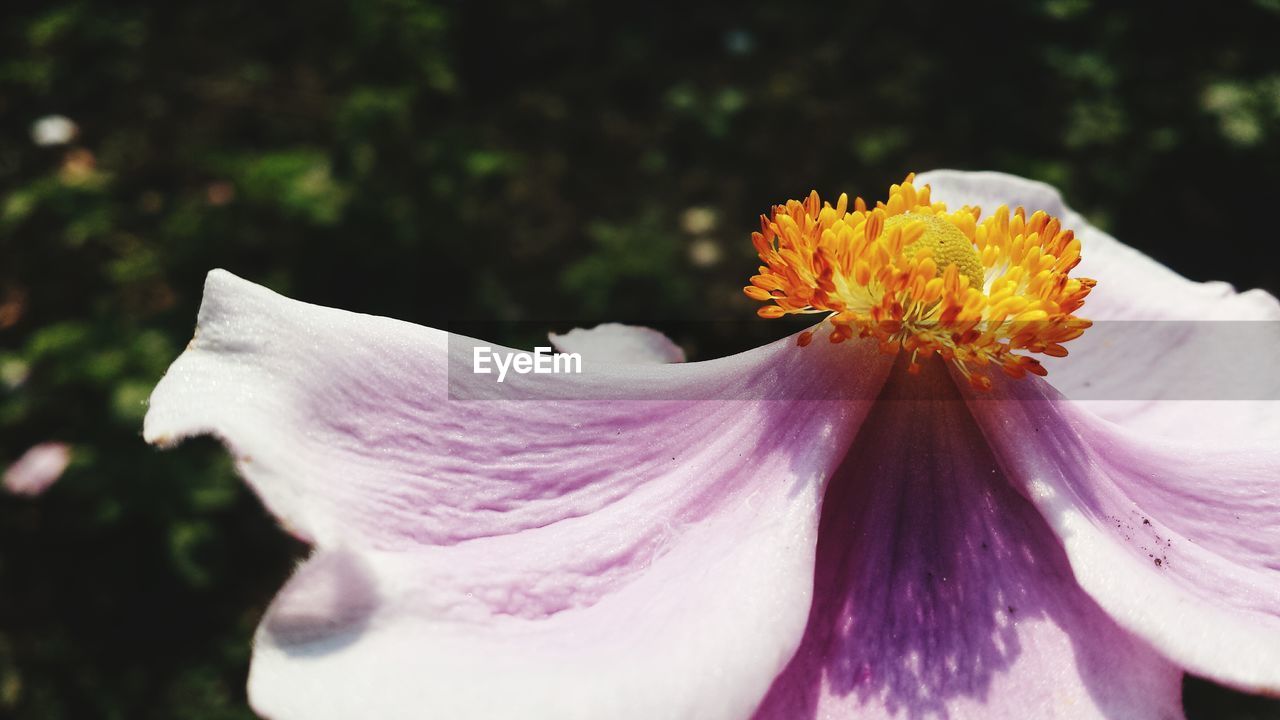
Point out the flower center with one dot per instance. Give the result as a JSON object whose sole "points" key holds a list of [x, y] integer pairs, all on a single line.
{"points": [[944, 241], [911, 275]]}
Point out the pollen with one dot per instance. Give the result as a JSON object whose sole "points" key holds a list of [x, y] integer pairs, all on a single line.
{"points": [[982, 293], [945, 242]]}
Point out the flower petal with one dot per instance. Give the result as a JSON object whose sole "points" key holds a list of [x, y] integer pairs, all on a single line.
{"points": [[37, 469], [1165, 352], [614, 342], [940, 592], [1181, 546], [514, 556], [694, 622]]}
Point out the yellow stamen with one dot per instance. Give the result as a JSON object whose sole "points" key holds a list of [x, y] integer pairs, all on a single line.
{"points": [[912, 275]]}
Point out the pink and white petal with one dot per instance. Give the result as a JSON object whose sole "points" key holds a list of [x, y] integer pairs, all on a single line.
{"points": [[615, 342], [38, 468], [367, 431], [1165, 353], [699, 629], [548, 547], [1180, 544], [941, 593]]}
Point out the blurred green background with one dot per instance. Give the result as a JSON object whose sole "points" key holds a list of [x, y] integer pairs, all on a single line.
{"points": [[506, 162]]}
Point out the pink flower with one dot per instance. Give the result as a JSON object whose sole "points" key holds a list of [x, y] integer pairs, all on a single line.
{"points": [[793, 532], [37, 469]]}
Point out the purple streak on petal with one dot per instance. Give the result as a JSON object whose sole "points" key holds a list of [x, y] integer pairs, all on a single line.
{"points": [[614, 342], [1149, 367], [941, 593], [1179, 543], [37, 469], [531, 558]]}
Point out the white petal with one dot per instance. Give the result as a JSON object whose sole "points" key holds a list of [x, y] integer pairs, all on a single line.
{"points": [[614, 342], [633, 542]]}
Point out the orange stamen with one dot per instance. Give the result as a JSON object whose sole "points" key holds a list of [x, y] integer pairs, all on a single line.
{"points": [[912, 275]]}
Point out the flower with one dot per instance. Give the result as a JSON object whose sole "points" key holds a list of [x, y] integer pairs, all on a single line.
{"points": [[38, 468], [54, 130], [792, 532]]}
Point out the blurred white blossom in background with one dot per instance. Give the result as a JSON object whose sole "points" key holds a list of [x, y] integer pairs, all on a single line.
{"points": [[53, 130]]}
